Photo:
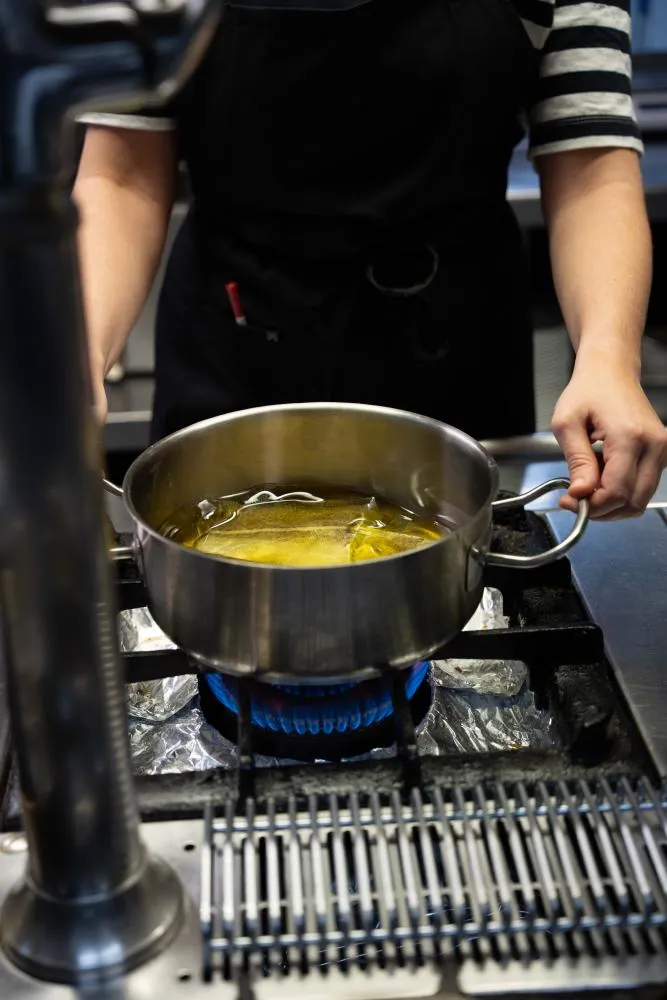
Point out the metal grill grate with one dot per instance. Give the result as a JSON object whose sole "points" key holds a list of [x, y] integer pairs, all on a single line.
{"points": [[502, 873]]}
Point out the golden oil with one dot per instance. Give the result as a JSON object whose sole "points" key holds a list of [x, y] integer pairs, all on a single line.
{"points": [[282, 525]]}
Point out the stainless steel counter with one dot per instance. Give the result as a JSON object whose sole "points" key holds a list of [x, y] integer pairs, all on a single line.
{"points": [[175, 973]]}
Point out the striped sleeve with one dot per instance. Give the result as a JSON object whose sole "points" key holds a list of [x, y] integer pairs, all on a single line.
{"points": [[584, 97]]}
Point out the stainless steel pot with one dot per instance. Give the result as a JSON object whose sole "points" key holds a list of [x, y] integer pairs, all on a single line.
{"points": [[313, 623]]}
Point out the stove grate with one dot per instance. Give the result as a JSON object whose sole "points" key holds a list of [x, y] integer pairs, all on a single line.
{"points": [[504, 873]]}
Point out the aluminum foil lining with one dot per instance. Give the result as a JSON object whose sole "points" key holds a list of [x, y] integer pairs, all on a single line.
{"points": [[152, 701], [478, 707], [481, 706]]}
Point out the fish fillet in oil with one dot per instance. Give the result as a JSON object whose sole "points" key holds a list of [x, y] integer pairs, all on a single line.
{"points": [[280, 526]]}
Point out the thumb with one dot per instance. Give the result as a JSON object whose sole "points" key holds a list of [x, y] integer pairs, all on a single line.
{"points": [[572, 435]]}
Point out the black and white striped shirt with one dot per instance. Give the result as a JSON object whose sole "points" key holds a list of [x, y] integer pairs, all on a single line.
{"points": [[584, 93]]}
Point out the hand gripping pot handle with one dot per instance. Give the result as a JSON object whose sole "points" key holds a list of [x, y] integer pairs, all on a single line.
{"points": [[551, 555]]}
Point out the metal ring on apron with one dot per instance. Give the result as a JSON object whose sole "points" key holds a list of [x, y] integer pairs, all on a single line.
{"points": [[410, 290]]}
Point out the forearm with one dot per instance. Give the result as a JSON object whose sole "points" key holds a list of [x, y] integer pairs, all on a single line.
{"points": [[121, 238], [600, 251]]}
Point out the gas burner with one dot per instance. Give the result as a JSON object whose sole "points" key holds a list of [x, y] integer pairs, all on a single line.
{"points": [[323, 722]]}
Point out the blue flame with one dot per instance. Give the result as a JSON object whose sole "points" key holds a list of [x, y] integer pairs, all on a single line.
{"points": [[318, 710]]}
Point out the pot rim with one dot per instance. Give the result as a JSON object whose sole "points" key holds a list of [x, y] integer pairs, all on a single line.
{"points": [[234, 415]]}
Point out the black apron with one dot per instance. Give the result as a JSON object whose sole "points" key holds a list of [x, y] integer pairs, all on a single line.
{"points": [[349, 173]]}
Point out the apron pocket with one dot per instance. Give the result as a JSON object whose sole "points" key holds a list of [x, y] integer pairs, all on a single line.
{"points": [[265, 365], [256, 361]]}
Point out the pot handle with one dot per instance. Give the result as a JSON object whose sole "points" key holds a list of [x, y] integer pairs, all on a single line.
{"points": [[115, 491], [551, 555], [123, 553], [119, 553]]}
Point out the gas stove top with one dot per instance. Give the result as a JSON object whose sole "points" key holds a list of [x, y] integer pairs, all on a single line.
{"points": [[507, 869], [354, 869], [550, 642]]}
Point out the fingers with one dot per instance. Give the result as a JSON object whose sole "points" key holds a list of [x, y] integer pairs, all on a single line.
{"points": [[615, 411], [619, 476], [572, 435], [644, 456], [630, 474], [630, 477], [649, 472]]}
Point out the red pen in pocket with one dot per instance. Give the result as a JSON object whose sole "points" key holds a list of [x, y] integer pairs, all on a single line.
{"points": [[238, 312]]}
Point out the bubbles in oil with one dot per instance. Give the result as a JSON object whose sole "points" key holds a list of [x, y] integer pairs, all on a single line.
{"points": [[285, 526]]}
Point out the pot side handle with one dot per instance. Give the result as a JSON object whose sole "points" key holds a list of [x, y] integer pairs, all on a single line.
{"points": [[115, 491], [123, 553], [551, 555], [119, 553]]}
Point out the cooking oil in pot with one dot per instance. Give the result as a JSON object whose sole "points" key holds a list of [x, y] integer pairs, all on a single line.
{"points": [[287, 526]]}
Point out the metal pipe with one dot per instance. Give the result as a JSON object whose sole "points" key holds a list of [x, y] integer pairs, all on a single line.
{"points": [[93, 903], [64, 679], [541, 447]]}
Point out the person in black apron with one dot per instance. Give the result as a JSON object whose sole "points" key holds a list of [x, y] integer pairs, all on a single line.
{"points": [[349, 174], [361, 213]]}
